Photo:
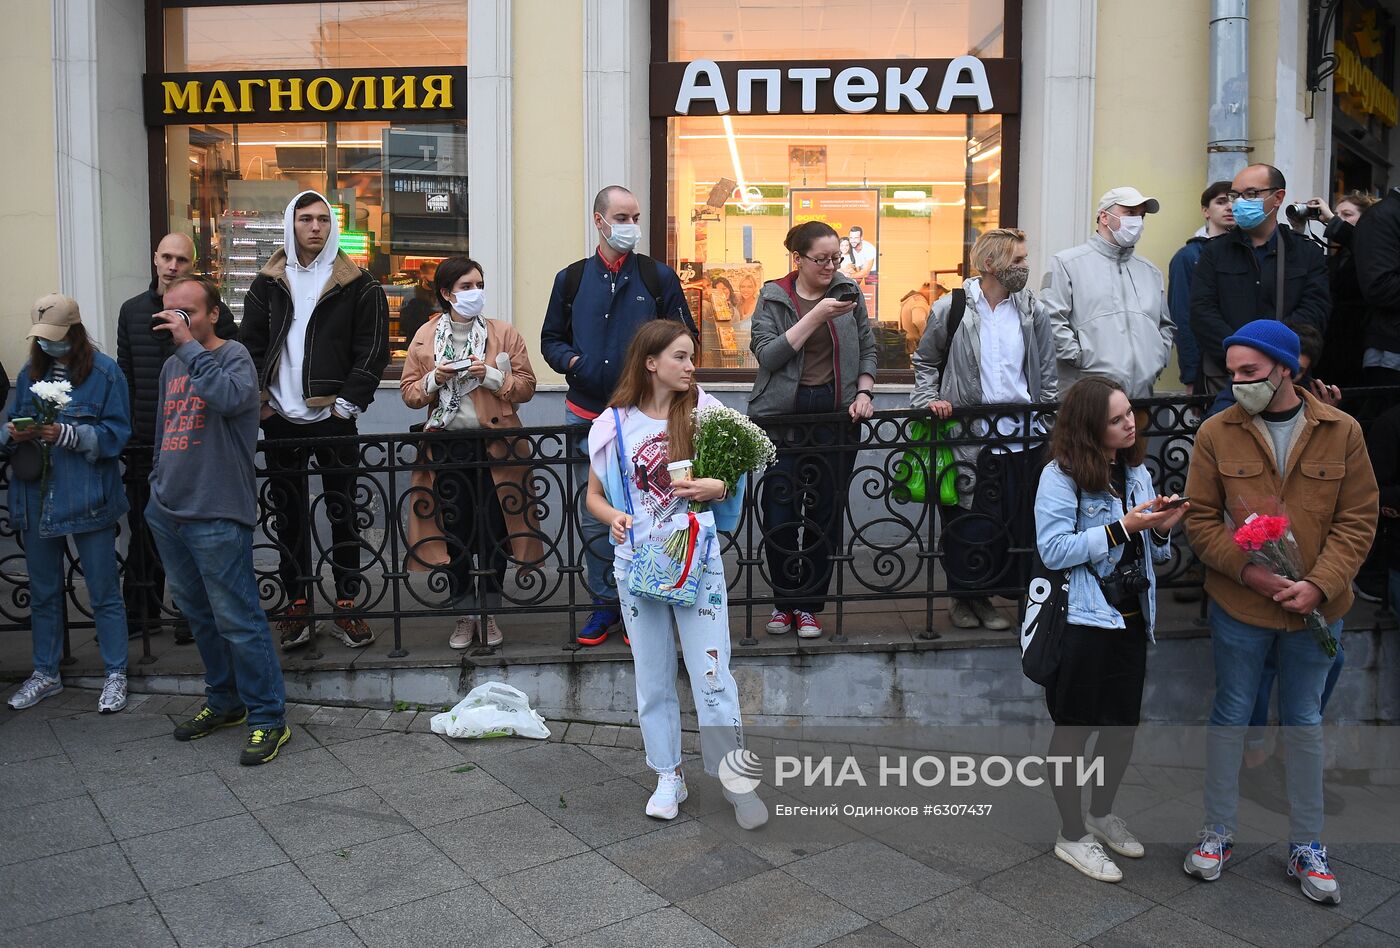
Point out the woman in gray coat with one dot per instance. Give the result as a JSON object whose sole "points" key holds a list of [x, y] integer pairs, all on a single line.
{"points": [[816, 355], [1000, 351]]}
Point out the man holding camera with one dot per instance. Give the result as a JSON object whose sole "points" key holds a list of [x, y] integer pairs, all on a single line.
{"points": [[1278, 451], [1257, 271], [142, 348], [202, 512]]}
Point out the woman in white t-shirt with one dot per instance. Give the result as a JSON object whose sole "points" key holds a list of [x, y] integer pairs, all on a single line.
{"points": [[650, 422]]}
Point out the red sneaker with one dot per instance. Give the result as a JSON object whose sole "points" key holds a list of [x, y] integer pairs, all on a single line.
{"points": [[807, 625]]}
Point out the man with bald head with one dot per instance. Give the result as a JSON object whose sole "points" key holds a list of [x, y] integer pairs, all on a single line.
{"points": [[141, 351]]}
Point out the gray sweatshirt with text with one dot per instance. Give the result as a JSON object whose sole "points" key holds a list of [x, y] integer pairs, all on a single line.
{"points": [[207, 434]]}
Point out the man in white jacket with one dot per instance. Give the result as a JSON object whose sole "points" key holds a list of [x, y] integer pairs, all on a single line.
{"points": [[1108, 306]]}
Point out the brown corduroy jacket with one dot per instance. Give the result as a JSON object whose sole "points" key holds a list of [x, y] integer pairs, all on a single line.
{"points": [[1328, 492]]}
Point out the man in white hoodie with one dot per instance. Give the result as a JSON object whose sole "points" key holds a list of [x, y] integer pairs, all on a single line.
{"points": [[317, 327], [1107, 305]]}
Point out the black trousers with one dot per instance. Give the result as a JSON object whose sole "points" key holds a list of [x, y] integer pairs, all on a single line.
{"points": [[143, 582], [464, 494], [289, 500], [977, 541], [802, 504]]}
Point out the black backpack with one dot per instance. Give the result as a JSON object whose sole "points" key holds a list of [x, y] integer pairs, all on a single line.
{"points": [[573, 279]]}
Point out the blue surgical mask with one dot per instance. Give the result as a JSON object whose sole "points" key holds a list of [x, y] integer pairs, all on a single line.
{"points": [[1249, 214], [56, 350]]}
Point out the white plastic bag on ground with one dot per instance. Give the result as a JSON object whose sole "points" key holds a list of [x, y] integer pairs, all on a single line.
{"points": [[493, 709]]}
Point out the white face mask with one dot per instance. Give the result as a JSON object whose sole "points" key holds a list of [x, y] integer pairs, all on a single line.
{"points": [[623, 237], [469, 303], [1255, 396], [1129, 230]]}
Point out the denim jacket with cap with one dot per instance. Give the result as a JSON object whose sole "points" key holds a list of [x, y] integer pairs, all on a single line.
{"points": [[83, 491]]}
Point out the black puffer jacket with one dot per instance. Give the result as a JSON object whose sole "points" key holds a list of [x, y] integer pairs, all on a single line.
{"points": [[141, 354]]}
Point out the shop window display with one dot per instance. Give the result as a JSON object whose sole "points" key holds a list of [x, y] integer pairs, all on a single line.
{"points": [[399, 188], [908, 194]]}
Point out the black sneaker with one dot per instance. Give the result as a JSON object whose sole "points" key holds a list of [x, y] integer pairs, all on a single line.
{"points": [[263, 745], [206, 722]]}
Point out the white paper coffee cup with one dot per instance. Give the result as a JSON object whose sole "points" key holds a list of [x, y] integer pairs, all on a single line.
{"points": [[679, 471]]}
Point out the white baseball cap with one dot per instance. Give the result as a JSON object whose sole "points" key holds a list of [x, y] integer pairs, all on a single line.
{"points": [[1128, 197]]}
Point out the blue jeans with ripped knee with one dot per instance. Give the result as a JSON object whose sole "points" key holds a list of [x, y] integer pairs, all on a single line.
{"points": [[704, 634]]}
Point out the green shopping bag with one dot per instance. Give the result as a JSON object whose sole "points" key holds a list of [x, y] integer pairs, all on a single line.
{"points": [[913, 472]]}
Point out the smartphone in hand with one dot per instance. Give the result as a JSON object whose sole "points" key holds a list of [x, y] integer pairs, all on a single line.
{"points": [[1173, 504], [22, 424]]}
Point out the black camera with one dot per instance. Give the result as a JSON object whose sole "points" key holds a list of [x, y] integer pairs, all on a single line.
{"points": [[1303, 212], [158, 325], [1124, 585]]}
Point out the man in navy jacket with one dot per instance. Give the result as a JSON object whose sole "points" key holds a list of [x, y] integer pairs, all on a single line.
{"points": [[596, 307]]}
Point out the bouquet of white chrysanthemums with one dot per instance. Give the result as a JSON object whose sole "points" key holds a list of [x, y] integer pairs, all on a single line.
{"points": [[727, 446], [51, 398]]}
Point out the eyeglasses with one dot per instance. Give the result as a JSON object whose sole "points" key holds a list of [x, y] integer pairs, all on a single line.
{"points": [[1250, 194], [822, 261]]}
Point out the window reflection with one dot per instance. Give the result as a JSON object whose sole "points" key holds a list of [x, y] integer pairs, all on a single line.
{"points": [[317, 35], [919, 188]]}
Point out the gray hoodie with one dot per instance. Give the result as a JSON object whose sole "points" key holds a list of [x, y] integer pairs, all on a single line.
{"points": [[1108, 309]]}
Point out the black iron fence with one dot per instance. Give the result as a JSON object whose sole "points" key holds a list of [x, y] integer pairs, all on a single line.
{"points": [[389, 528]]}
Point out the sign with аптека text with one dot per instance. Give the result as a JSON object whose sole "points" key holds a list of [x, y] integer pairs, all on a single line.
{"points": [[422, 93]]}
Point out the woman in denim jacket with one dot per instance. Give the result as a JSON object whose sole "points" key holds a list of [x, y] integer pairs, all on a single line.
{"points": [[1098, 515], [80, 494]]}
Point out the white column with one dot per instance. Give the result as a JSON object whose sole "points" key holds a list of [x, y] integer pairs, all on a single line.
{"points": [[100, 155], [80, 255], [1057, 127], [616, 128], [489, 194]]}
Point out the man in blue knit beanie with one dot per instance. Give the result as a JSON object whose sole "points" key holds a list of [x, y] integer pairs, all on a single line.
{"points": [[1277, 451]]}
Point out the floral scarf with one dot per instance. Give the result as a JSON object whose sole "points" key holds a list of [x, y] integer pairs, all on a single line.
{"points": [[460, 385]]}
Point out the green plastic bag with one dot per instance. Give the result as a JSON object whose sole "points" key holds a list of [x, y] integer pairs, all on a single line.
{"points": [[912, 472]]}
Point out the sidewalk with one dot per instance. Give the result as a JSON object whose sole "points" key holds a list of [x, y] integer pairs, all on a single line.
{"points": [[369, 830]]}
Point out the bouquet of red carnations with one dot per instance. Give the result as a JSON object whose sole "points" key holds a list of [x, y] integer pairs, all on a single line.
{"points": [[1273, 546]]}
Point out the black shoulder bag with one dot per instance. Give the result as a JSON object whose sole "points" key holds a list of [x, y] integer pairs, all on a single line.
{"points": [[1044, 615]]}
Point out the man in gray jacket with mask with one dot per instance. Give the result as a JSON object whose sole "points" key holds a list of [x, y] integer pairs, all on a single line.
{"points": [[988, 343], [1107, 305]]}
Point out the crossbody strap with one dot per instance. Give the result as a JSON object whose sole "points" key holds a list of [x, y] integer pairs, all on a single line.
{"points": [[622, 470]]}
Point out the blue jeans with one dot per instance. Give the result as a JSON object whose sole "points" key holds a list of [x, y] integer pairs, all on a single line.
{"points": [[97, 553], [597, 547], [1240, 653], [703, 630], [1259, 718], [1394, 587], [209, 567]]}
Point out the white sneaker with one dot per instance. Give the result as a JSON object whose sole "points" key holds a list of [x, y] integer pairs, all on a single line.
{"points": [[670, 793], [35, 689], [749, 811], [1113, 832], [1088, 857], [463, 634], [113, 694]]}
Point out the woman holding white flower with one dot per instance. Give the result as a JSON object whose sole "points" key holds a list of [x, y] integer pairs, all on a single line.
{"points": [[632, 448], [71, 410]]}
